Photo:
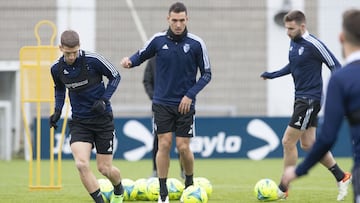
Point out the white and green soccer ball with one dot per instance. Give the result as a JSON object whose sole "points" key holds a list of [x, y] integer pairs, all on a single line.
{"points": [[194, 194], [106, 189], [129, 189], [266, 190], [175, 188], [204, 183]]}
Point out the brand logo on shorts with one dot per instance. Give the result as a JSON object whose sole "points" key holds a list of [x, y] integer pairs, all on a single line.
{"points": [[298, 123]]}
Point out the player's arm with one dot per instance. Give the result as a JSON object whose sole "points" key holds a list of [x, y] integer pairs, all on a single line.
{"points": [[59, 87], [270, 75], [109, 70], [60, 91], [327, 57], [148, 51], [203, 63]]}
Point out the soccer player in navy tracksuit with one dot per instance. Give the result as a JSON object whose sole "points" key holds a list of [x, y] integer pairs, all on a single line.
{"points": [[306, 56], [92, 124], [179, 56], [148, 82], [343, 100]]}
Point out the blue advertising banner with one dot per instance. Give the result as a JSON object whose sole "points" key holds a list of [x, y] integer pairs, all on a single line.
{"points": [[215, 137]]}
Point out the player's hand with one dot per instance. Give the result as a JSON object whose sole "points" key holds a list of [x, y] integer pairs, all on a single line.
{"points": [[185, 104], [265, 75], [54, 119], [99, 106], [126, 63], [288, 176]]}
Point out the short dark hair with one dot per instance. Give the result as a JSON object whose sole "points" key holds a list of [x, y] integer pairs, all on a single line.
{"points": [[178, 7], [70, 38], [295, 15], [351, 26]]}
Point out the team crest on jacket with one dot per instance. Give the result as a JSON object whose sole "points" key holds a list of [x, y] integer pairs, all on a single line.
{"points": [[186, 47], [301, 51]]}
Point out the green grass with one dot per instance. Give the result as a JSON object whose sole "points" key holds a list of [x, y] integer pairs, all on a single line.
{"points": [[232, 179]]}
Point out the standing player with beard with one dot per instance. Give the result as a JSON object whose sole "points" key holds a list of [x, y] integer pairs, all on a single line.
{"points": [[343, 100], [306, 56]]}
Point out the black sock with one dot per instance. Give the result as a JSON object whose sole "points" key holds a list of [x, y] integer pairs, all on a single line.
{"points": [[337, 172], [118, 189], [283, 188], [163, 188], [97, 196], [189, 180]]}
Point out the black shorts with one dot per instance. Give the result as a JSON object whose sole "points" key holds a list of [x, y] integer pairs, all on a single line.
{"points": [[98, 131], [168, 119], [305, 114]]}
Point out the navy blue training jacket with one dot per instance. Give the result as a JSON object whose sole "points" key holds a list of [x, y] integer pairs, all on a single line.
{"points": [[82, 101], [177, 65], [306, 56]]}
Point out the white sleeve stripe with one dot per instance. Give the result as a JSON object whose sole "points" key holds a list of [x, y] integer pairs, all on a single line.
{"points": [[108, 65], [204, 50], [152, 38], [322, 49]]}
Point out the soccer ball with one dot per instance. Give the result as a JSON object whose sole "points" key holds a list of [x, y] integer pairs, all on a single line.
{"points": [[194, 194], [204, 183], [175, 188], [129, 189], [106, 188], [152, 189], [141, 189], [266, 190]]}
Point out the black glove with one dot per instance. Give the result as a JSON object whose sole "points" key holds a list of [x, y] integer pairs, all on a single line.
{"points": [[99, 106], [54, 119]]}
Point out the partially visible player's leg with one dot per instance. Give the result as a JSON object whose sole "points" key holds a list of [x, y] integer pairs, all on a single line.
{"points": [[154, 152], [308, 139]]}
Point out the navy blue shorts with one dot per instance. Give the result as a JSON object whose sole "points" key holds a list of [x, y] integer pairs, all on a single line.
{"points": [[168, 119], [305, 114], [99, 131]]}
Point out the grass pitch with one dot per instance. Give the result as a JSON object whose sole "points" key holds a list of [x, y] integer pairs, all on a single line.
{"points": [[233, 180]]}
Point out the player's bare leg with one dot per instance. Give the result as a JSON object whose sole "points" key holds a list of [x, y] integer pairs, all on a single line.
{"points": [[290, 157], [289, 141], [81, 152], [307, 141], [187, 158], [343, 179], [105, 167], [163, 162]]}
